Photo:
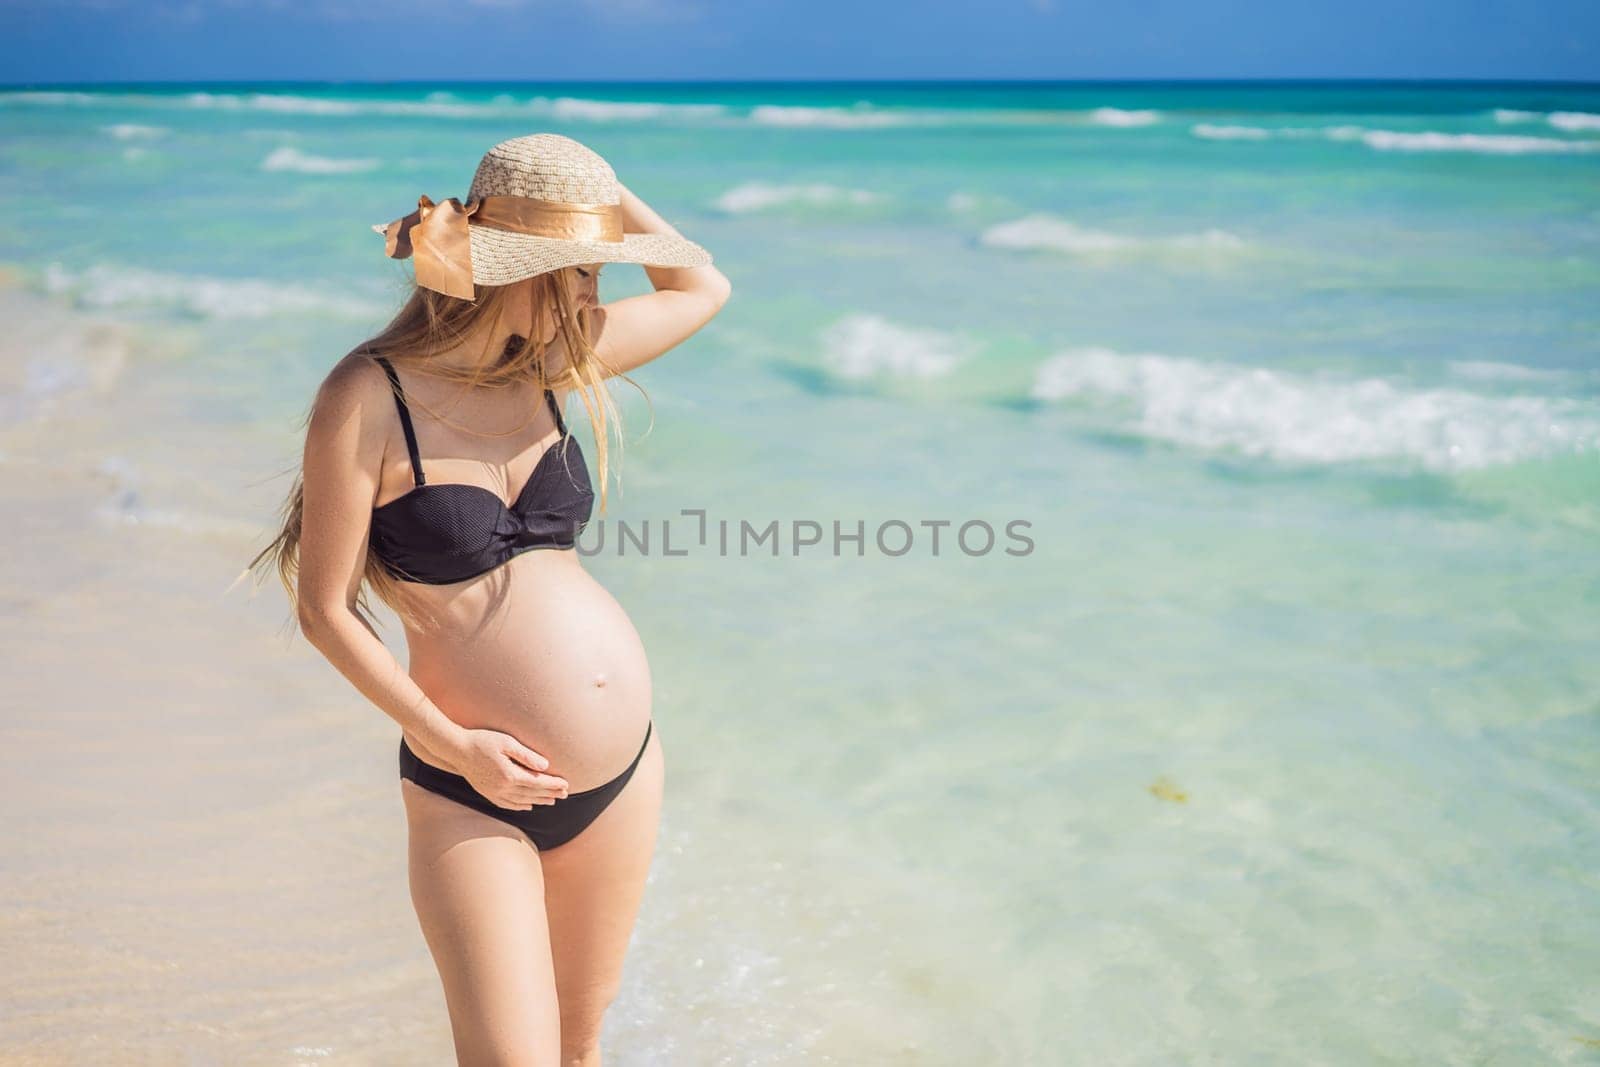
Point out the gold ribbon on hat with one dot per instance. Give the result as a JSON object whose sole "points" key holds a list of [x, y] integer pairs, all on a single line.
{"points": [[439, 237]]}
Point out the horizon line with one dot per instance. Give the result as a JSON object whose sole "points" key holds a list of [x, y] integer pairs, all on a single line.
{"points": [[727, 82]]}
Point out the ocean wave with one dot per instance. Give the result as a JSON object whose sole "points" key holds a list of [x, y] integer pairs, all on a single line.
{"points": [[568, 108], [572, 107], [1400, 140], [1491, 143], [433, 105], [1561, 120], [867, 345], [292, 159], [279, 102], [862, 115], [200, 296], [838, 118], [1113, 116], [291, 104], [1573, 120], [759, 196], [1216, 132], [51, 96], [128, 131], [867, 116], [444, 105], [1298, 419], [1048, 232], [1213, 131]]}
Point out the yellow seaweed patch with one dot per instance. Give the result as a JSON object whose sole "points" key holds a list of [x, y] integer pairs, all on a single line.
{"points": [[1166, 789]]}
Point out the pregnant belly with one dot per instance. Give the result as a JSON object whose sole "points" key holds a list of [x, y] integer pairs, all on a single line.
{"points": [[540, 650]]}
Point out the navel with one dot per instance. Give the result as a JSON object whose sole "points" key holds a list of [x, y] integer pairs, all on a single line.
{"points": [[599, 681]]}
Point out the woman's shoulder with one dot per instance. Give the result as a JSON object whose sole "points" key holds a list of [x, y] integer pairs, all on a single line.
{"points": [[351, 416], [354, 381]]}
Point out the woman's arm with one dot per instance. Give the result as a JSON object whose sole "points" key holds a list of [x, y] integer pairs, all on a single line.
{"points": [[640, 217], [340, 471], [340, 475], [637, 329]]}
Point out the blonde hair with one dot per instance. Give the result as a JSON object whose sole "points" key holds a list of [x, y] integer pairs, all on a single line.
{"points": [[428, 323]]}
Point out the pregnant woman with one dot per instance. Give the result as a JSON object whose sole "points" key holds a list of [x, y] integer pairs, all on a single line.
{"points": [[439, 473]]}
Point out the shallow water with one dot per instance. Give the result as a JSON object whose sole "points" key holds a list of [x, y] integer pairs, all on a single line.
{"points": [[1279, 744]]}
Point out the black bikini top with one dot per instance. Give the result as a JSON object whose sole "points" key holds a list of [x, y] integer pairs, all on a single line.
{"points": [[450, 532]]}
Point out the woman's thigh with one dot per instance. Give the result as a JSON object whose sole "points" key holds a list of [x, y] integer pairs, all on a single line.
{"points": [[594, 885], [478, 890]]}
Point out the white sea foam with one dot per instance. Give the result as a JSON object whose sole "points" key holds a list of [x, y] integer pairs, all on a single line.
{"points": [[962, 201], [279, 102], [1573, 120], [433, 105], [572, 107], [290, 104], [107, 286], [128, 131], [759, 196], [1400, 140], [866, 345], [50, 97], [866, 116], [1215, 132], [862, 115], [1490, 143], [1113, 116], [1051, 233], [292, 159], [1221, 132], [1300, 419], [839, 118], [1561, 120]]}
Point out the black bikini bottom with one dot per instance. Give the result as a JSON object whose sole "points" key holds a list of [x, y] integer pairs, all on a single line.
{"points": [[546, 825]]}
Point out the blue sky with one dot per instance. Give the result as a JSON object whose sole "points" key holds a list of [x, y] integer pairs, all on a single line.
{"points": [[557, 40]]}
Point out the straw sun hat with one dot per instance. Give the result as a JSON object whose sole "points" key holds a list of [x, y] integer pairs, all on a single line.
{"points": [[537, 203]]}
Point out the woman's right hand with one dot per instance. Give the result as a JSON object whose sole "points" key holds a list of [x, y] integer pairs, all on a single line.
{"points": [[505, 770]]}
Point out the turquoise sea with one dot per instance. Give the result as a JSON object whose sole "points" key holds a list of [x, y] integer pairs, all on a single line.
{"points": [[1278, 743]]}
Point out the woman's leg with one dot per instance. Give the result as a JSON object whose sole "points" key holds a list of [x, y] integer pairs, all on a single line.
{"points": [[593, 886], [478, 891]]}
